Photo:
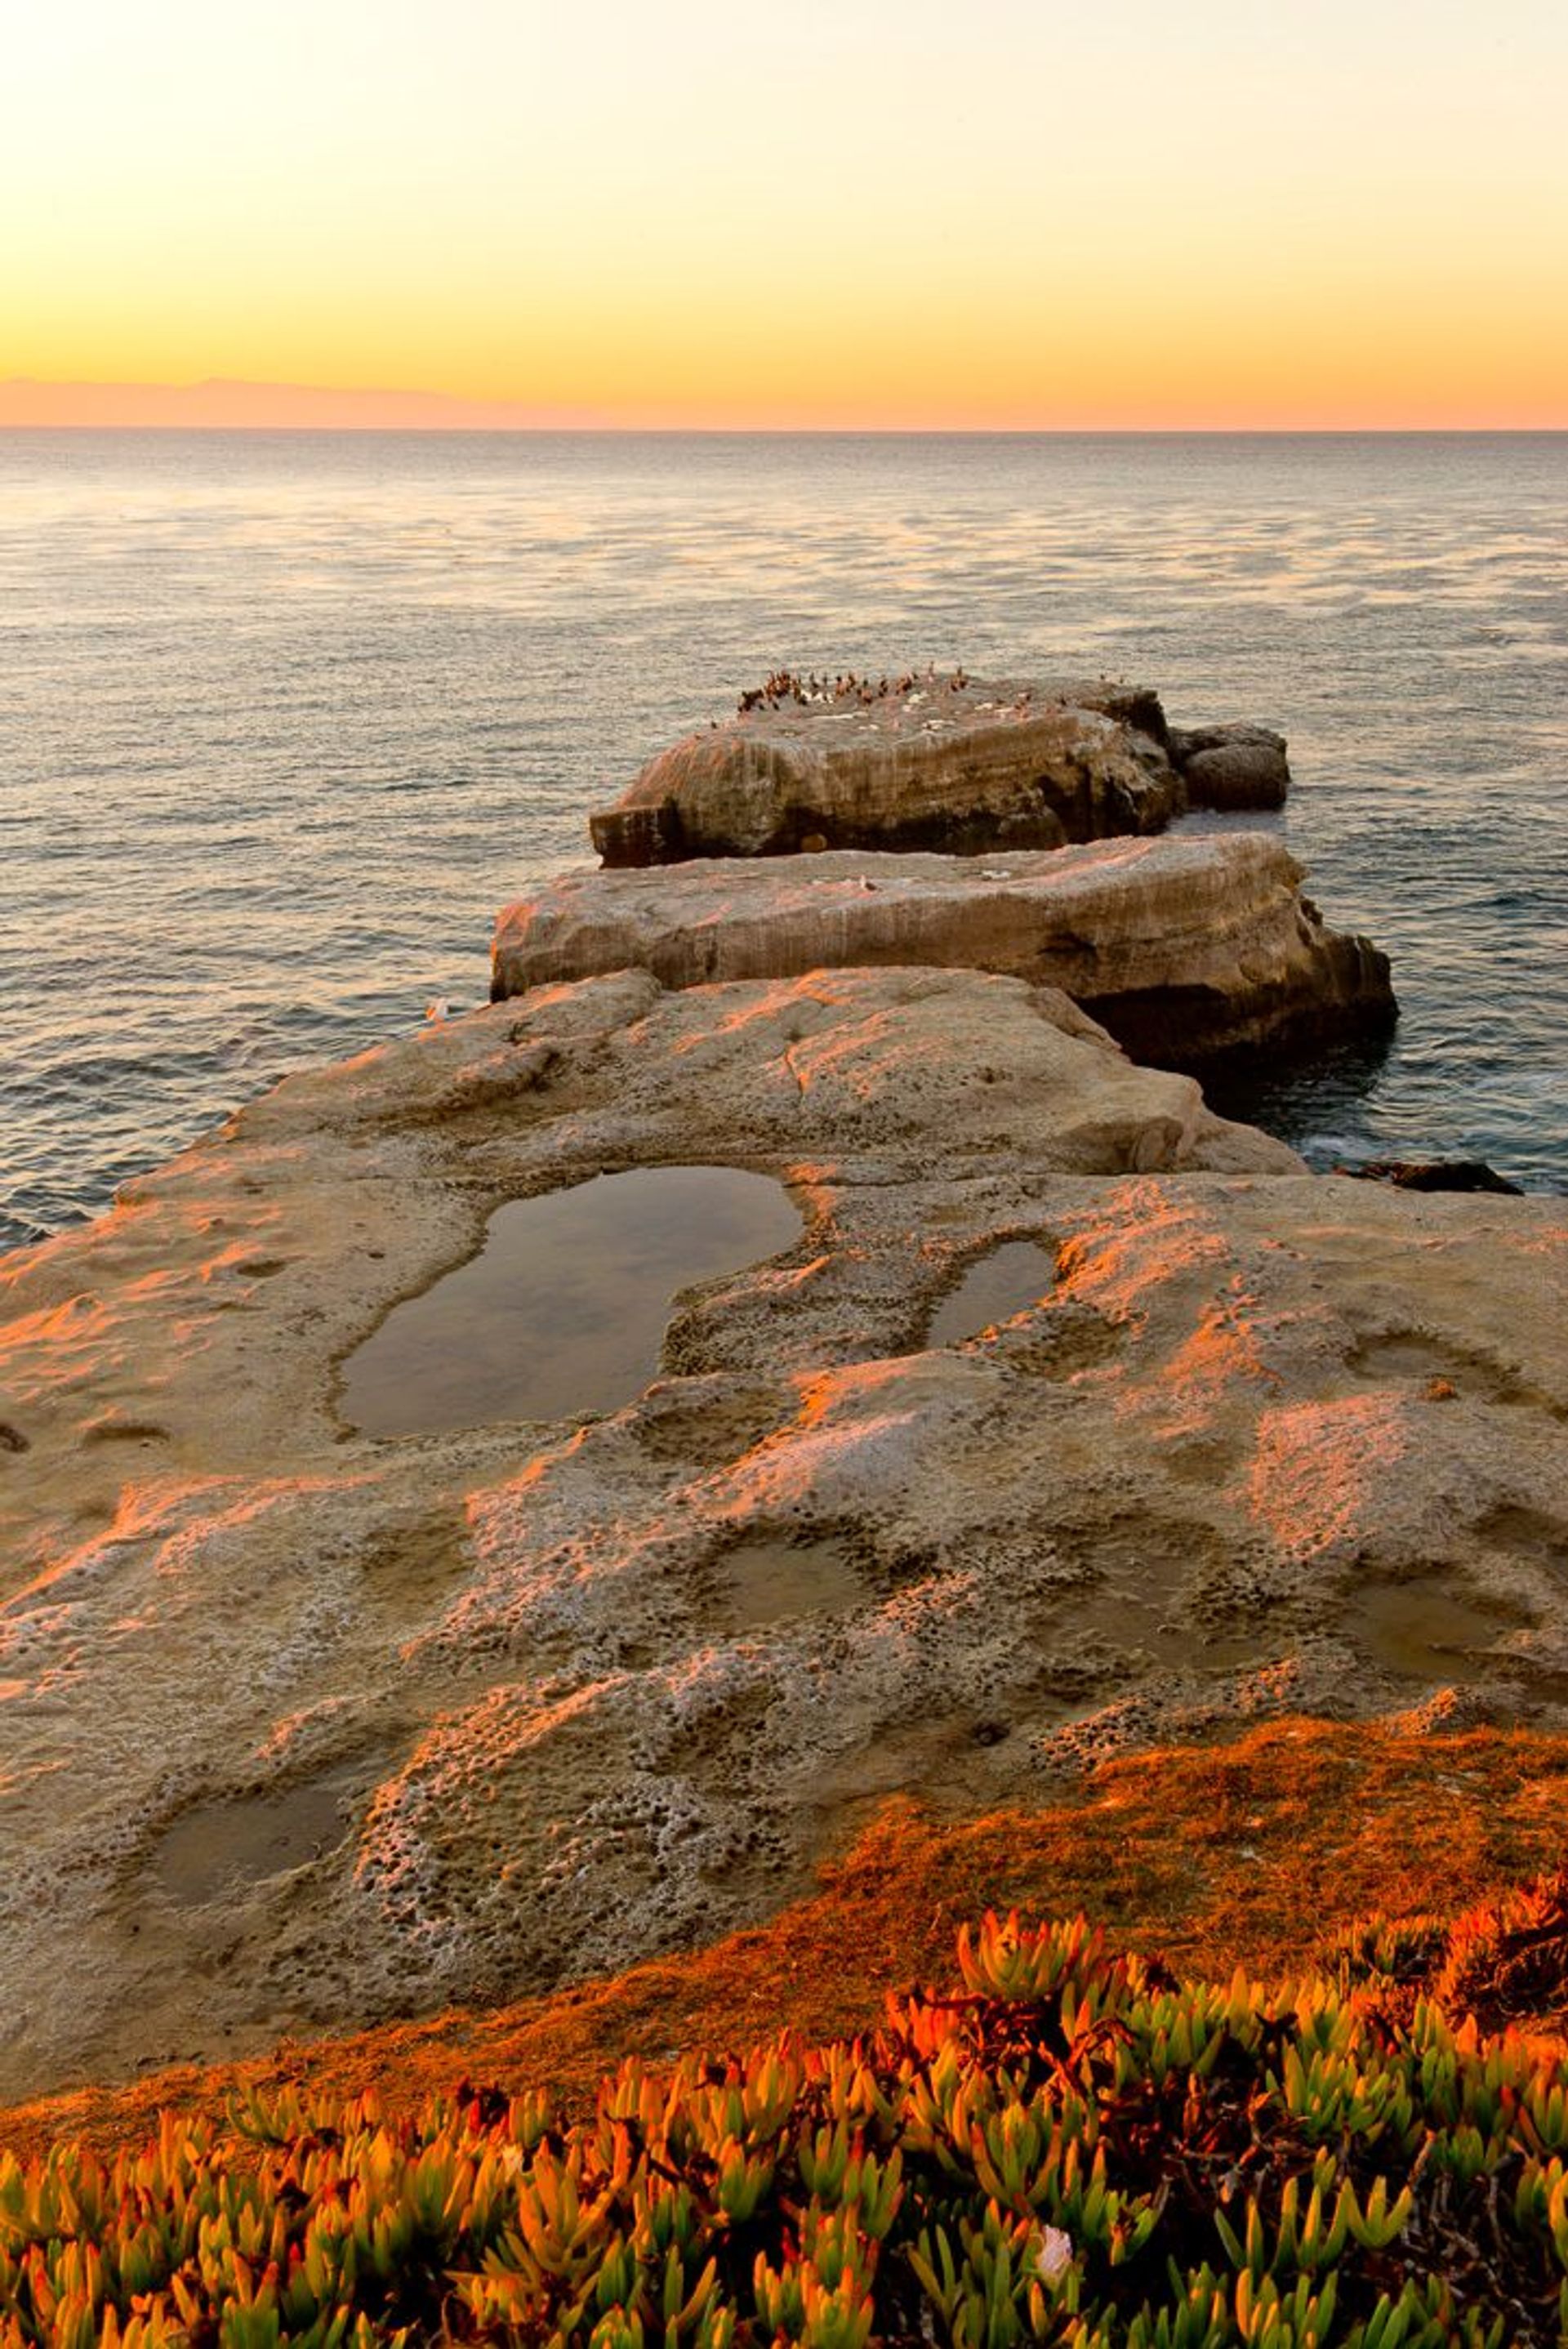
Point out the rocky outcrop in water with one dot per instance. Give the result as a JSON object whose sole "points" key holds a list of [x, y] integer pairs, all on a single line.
{"points": [[1231, 767], [1181, 948], [952, 763], [1069, 1418], [1433, 1174]]}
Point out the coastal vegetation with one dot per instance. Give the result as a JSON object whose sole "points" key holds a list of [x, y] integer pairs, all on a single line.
{"points": [[1073, 2145]]}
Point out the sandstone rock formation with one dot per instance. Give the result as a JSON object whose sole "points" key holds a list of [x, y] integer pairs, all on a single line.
{"points": [[963, 767], [1183, 947], [953, 764], [1073, 1418]]}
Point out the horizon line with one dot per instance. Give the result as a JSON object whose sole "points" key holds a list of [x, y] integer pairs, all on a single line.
{"points": [[813, 432], [199, 405]]}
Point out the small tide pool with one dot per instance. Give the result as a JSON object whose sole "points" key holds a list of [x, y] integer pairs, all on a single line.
{"points": [[563, 1310], [1006, 1280]]}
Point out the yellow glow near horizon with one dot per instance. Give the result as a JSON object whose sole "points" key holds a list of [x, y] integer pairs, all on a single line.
{"points": [[856, 214]]}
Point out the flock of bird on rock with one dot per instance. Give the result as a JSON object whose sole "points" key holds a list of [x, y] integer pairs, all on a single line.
{"points": [[787, 685]]}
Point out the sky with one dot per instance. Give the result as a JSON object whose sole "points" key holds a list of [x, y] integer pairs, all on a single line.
{"points": [[995, 214]]}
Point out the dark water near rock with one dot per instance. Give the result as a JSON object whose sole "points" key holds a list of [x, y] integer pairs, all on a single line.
{"points": [[564, 1307], [285, 718], [1426, 1630]]}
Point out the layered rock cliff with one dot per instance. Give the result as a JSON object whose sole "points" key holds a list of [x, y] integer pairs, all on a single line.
{"points": [[948, 763], [1183, 948]]}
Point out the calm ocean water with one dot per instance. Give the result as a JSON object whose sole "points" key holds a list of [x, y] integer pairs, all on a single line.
{"points": [[285, 718]]}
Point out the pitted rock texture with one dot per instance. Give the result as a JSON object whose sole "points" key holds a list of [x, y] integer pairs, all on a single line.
{"points": [[1183, 948], [299, 1729], [964, 767]]}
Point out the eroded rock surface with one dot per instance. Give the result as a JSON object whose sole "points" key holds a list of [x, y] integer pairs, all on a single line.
{"points": [[299, 1728], [961, 766], [954, 763], [1183, 947]]}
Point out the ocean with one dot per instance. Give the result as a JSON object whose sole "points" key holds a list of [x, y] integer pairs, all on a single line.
{"points": [[286, 718]]}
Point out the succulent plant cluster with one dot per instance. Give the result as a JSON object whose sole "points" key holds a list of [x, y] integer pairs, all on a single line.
{"points": [[1072, 2147]]}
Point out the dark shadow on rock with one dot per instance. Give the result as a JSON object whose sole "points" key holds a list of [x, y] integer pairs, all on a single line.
{"points": [[1432, 1174]]}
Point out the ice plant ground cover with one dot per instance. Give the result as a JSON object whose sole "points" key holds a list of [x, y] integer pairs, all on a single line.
{"points": [[1073, 2147]]}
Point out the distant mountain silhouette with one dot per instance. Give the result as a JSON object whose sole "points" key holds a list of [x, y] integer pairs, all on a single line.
{"points": [[280, 407]]}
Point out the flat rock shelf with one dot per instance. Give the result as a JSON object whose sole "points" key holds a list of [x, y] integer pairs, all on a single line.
{"points": [[398, 1722]]}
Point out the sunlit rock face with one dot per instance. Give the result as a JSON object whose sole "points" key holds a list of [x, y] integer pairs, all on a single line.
{"points": [[961, 766], [1070, 1418], [1183, 948]]}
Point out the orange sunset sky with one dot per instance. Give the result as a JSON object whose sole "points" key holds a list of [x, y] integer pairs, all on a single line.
{"points": [[1006, 213]]}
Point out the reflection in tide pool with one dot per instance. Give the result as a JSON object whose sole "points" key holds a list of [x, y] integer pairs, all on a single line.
{"points": [[771, 1577], [1007, 1281], [564, 1308]]}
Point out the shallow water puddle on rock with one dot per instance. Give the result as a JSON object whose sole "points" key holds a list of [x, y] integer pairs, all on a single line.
{"points": [[242, 1839], [1161, 1625], [565, 1306], [1424, 1629], [1014, 1277], [771, 1580]]}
